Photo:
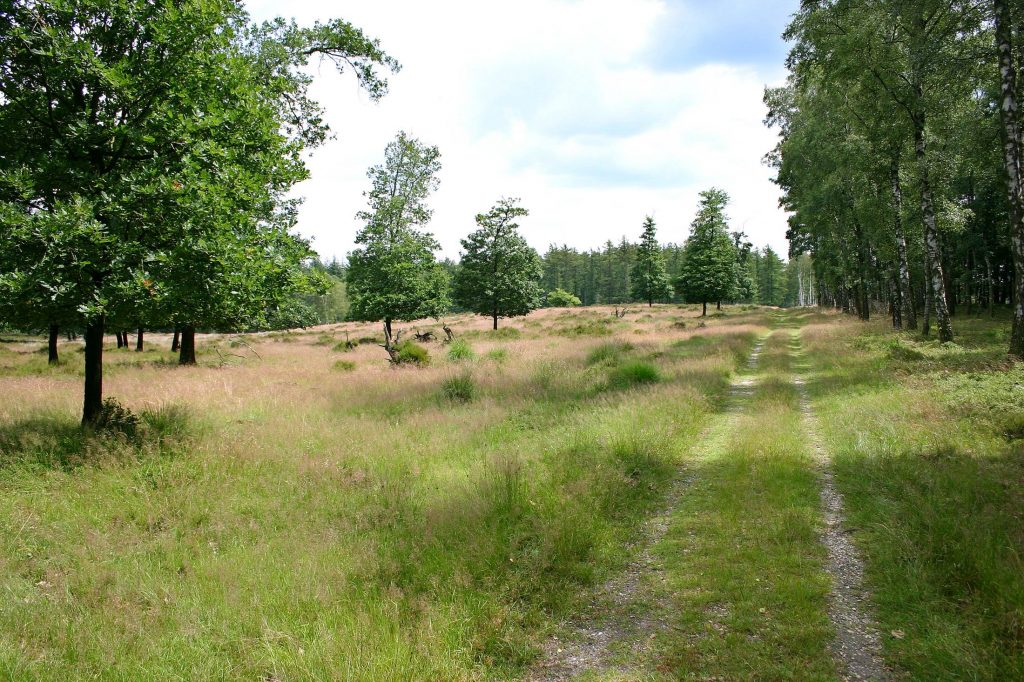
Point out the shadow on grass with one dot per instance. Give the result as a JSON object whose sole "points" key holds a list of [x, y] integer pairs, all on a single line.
{"points": [[58, 441]]}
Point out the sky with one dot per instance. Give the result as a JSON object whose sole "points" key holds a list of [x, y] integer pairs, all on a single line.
{"points": [[595, 113]]}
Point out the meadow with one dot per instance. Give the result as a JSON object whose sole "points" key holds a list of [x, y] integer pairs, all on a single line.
{"points": [[296, 508]]}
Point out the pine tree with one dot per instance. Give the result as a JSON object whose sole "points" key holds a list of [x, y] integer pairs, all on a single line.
{"points": [[709, 269], [649, 278]]}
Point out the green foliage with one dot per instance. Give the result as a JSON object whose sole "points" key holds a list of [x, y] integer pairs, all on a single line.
{"points": [[709, 267], [115, 418], [459, 350], [393, 274], [180, 129], [459, 388], [344, 365], [499, 273], [560, 298], [649, 279], [412, 353], [633, 373]]}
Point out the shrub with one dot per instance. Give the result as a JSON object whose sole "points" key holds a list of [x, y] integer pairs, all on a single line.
{"points": [[460, 350], [115, 418], [345, 346], [608, 352], [633, 374], [459, 388], [412, 353], [560, 298], [344, 366]]}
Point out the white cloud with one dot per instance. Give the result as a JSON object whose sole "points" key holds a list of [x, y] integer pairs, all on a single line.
{"points": [[548, 100]]}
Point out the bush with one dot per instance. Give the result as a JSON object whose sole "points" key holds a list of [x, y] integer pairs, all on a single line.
{"points": [[460, 350], [633, 374], [460, 388], [344, 366], [560, 298], [115, 418], [345, 346], [412, 353]]}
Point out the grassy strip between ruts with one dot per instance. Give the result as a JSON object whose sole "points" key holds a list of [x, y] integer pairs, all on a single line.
{"points": [[250, 550], [744, 564], [927, 454]]}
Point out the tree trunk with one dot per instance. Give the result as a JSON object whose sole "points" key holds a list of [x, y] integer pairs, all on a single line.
{"points": [[907, 314], [926, 326], [931, 235], [120, 342], [494, 316], [93, 403], [51, 345], [187, 352], [139, 341], [719, 306], [703, 314], [991, 285], [176, 341], [1012, 163], [897, 306]]}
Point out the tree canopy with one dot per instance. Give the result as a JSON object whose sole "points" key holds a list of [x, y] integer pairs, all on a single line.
{"points": [[393, 273], [499, 274], [709, 266], [146, 149], [649, 278]]}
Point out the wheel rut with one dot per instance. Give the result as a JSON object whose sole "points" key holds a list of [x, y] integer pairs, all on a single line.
{"points": [[857, 647]]}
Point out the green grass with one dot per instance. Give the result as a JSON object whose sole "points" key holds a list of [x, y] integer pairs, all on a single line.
{"points": [[290, 526], [459, 350], [926, 450], [743, 561]]}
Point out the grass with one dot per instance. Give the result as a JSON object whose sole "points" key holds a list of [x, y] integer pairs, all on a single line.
{"points": [[925, 441], [742, 557], [273, 520], [272, 523]]}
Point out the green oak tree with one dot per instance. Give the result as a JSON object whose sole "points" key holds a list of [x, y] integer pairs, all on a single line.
{"points": [[709, 269], [499, 274], [649, 278], [393, 273], [117, 139]]}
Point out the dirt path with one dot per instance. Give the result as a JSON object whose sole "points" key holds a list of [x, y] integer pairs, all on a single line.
{"points": [[613, 637], [857, 647]]}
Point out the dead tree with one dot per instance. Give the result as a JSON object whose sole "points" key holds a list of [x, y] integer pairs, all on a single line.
{"points": [[449, 334], [391, 344], [619, 315], [424, 337]]}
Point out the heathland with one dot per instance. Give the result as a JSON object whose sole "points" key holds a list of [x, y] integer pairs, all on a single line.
{"points": [[295, 507]]}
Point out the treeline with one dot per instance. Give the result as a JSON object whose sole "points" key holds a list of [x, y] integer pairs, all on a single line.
{"points": [[900, 157], [605, 276]]}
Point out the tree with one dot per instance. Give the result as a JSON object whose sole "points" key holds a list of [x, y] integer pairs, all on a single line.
{"points": [[499, 273], [393, 274], [709, 268], [560, 298], [1007, 15], [118, 119], [649, 278]]}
